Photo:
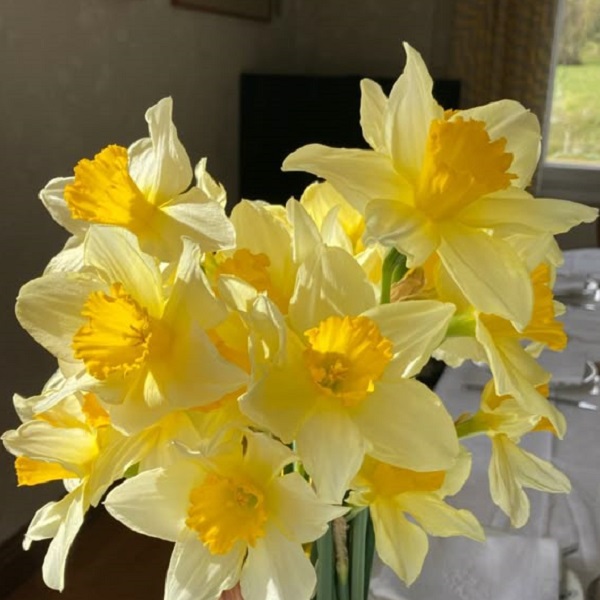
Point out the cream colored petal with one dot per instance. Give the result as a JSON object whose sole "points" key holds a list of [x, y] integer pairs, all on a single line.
{"points": [[47, 520], [73, 448], [196, 574], [332, 448], [440, 519], [79, 383], [49, 309], [297, 511], [155, 502], [331, 283], [358, 175], [411, 108], [415, 327], [283, 397], [191, 296], [505, 489], [52, 197], [306, 235], [208, 185], [373, 104], [277, 568], [53, 569], [407, 425], [202, 219], [69, 259], [517, 208], [488, 272], [116, 253], [162, 169], [194, 373], [266, 457], [398, 224], [405, 558], [457, 475], [510, 120]]}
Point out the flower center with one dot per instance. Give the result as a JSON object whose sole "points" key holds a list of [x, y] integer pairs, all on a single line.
{"points": [[461, 164], [225, 510], [104, 192], [116, 337], [346, 356]]}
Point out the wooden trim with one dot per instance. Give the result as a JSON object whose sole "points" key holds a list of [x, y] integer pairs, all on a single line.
{"points": [[17, 565]]}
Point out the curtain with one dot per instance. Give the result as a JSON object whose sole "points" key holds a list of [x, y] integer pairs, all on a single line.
{"points": [[503, 49]]}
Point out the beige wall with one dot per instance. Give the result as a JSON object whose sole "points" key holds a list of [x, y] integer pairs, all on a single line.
{"points": [[79, 74]]}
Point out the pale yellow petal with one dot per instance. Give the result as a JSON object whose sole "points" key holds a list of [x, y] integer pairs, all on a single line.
{"points": [[306, 235], [411, 108], [359, 175], [396, 223], [488, 272], [400, 544], [373, 103], [52, 197], [408, 426]]}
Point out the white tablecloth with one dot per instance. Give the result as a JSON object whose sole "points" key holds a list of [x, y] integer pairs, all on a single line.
{"points": [[566, 519]]}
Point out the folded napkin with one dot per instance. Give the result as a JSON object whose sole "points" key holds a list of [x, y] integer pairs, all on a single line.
{"points": [[505, 567]]}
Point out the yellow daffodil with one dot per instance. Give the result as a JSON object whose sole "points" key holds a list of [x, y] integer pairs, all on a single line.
{"points": [[392, 493], [511, 468], [126, 330], [447, 183], [73, 441], [233, 518], [147, 189], [335, 378]]}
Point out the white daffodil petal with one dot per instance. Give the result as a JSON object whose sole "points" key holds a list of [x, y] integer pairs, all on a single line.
{"points": [[331, 283], [359, 175], [517, 207], [53, 569], [52, 197], [415, 327], [408, 426], [155, 502], [72, 447], [440, 519], [49, 309], [200, 218], [488, 272], [373, 103], [116, 252], [277, 568], [299, 513], [47, 520], [519, 127], [306, 235], [411, 108], [332, 449], [208, 185], [70, 259], [196, 574], [161, 170], [395, 223], [390, 525]]}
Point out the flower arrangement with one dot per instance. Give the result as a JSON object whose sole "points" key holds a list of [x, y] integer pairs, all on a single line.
{"points": [[245, 384]]}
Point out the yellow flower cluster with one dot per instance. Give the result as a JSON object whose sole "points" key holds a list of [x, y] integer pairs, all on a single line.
{"points": [[240, 375]]}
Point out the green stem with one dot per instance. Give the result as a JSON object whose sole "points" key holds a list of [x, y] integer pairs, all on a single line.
{"points": [[369, 553], [325, 567], [357, 557]]}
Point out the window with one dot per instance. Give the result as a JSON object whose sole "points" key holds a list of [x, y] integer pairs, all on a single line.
{"points": [[571, 165]]}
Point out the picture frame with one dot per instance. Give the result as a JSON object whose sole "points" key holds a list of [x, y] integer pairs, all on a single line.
{"points": [[259, 10]]}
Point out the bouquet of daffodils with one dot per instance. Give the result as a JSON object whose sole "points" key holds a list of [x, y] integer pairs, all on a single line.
{"points": [[245, 384]]}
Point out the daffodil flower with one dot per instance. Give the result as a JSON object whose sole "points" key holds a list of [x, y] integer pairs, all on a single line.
{"points": [[122, 328], [233, 518], [336, 377], [146, 189], [505, 422], [447, 183], [392, 493], [74, 442]]}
